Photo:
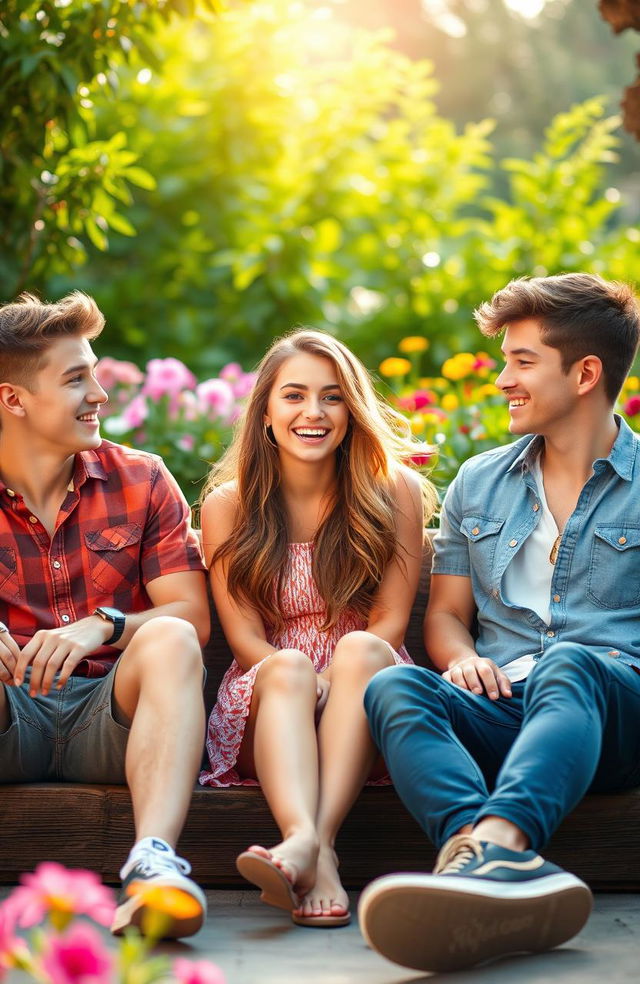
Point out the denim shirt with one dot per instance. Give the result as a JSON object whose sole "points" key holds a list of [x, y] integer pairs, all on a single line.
{"points": [[492, 507]]}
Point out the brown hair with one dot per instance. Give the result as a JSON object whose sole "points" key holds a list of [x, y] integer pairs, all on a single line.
{"points": [[356, 540], [28, 327], [580, 314]]}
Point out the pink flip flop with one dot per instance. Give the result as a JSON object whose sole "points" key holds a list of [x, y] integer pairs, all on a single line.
{"points": [[276, 888], [322, 922]]}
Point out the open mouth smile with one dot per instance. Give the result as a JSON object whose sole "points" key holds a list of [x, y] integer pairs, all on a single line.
{"points": [[311, 434], [517, 401]]}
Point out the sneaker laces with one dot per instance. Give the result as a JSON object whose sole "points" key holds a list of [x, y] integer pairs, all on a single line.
{"points": [[456, 853], [152, 862]]}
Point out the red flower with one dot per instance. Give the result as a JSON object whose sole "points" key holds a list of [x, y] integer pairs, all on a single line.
{"points": [[632, 406], [417, 400]]}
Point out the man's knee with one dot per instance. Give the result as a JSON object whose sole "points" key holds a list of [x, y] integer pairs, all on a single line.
{"points": [[164, 642], [396, 687]]}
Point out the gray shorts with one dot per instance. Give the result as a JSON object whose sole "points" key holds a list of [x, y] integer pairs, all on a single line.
{"points": [[69, 735]]}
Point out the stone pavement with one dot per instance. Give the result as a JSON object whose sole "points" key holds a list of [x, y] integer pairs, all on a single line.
{"points": [[256, 944]]}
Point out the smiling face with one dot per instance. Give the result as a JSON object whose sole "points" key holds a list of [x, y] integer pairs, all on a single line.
{"points": [[306, 409], [60, 408], [541, 396]]}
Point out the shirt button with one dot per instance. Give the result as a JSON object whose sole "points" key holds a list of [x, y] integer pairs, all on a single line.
{"points": [[513, 543], [33, 519], [613, 652], [556, 597], [622, 539], [535, 507], [57, 564], [550, 633], [65, 618], [475, 530]]}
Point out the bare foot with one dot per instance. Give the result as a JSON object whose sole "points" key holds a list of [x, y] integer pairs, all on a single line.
{"points": [[327, 897], [296, 856]]}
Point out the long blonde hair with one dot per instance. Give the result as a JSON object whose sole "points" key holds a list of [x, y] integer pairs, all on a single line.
{"points": [[357, 538]]}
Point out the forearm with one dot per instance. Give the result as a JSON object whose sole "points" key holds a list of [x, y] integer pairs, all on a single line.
{"points": [[447, 640], [187, 610]]}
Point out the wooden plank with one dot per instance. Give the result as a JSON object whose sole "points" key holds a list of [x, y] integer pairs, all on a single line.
{"points": [[92, 826]]}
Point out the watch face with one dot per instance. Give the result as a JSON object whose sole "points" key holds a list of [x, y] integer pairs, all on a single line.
{"points": [[111, 613]]}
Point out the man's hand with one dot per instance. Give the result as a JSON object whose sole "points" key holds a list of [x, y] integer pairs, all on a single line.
{"points": [[476, 674], [322, 691], [9, 653], [52, 651]]}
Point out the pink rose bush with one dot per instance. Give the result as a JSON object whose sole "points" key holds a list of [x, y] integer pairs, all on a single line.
{"points": [[165, 410], [54, 903]]}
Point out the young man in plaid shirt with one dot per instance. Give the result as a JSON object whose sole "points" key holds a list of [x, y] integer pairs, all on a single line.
{"points": [[102, 598]]}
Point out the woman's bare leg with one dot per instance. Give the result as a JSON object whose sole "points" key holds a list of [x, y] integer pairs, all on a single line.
{"points": [[347, 756], [280, 748]]}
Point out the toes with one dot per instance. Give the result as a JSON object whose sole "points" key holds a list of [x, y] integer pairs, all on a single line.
{"points": [[262, 852]]}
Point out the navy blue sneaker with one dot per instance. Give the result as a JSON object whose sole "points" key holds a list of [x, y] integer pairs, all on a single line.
{"points": [[154, 865], [482, 902]]}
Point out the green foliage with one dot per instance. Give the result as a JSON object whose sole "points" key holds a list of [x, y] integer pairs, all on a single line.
{"points": [[304, 176], [60, 187]]}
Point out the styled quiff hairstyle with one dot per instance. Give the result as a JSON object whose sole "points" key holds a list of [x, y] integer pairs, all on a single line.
{"points": [[356, 538], [28, 327], [580, 314]]}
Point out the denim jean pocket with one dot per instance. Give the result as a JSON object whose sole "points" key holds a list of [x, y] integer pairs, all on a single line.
{"points": [[614, 571]]}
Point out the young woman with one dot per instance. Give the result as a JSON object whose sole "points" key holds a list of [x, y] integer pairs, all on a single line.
{"points": [[312, 527]]}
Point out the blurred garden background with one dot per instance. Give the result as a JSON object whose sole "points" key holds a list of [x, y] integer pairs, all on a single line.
{"points": [[215, 172]]}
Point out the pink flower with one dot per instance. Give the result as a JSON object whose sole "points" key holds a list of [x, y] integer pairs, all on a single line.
{"points": [[167, 377], [231, 372], [215, 397], [54, 891], [136, 413], [421, 459], [483, 361], [418, 400], [10, 944], [186, 442], [111, 372], [632, 406], [78, 957], [243, 386], [197, 972], [189, 404]]}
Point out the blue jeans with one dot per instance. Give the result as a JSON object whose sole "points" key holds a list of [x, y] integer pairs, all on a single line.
{"points": [[572, 727]]}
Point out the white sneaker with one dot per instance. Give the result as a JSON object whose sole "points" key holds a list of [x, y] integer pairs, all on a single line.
{"points": [[153, 863]]}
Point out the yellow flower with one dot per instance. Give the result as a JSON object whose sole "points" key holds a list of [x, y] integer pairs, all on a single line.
{"points": [[449, 401], [394, 367], [167, 899], [459, 366], [414, 343], [417, 424], [631, 385], [489, 389]]}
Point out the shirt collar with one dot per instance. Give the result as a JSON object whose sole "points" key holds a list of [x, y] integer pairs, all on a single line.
{"points": [[88, 465], [622, 457]]}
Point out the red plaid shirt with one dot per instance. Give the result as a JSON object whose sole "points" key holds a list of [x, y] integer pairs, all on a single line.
{"points": [[123, 523]]}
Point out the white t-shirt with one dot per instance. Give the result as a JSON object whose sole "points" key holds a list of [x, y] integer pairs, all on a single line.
{"points": [[527, 579]]}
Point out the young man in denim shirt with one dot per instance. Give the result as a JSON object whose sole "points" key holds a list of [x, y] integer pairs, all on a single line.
{"points": [[539, 547]]}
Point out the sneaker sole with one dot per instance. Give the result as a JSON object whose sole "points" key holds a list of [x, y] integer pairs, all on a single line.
{"points": [[133, 911], [445, 923]]}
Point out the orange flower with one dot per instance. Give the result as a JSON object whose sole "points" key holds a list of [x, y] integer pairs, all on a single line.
{"points": [[414, 343]]}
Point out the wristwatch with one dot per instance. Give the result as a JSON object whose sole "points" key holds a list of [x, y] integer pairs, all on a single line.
{"points": [[116, 618]]}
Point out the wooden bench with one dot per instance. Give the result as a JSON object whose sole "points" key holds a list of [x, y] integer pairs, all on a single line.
{"points": [[91, 826]]}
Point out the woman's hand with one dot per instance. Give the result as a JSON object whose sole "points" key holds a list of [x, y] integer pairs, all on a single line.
{"points": [[478, 674], [323, 685]]}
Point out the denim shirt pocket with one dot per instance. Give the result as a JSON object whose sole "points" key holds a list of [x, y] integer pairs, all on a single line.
{"points": [[482, 537], [114, 556], [614, 570]]}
